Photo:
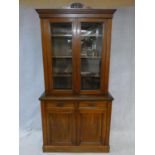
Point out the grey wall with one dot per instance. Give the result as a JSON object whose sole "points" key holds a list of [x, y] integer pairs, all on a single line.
{"points": [[31, 68], [121, 71]]}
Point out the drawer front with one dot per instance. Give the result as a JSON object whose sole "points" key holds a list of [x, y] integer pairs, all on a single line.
{"points": [[60, 104], [91, 104]]}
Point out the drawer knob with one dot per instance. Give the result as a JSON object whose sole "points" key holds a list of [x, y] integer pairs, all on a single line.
{"points": [[61, 104], [92, 104]]}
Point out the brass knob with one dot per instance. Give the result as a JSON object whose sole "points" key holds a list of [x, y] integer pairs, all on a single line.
{"points": [[60, 104], [92, 104]]}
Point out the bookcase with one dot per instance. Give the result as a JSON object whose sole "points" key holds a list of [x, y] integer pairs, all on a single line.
{"points": [[76, 105]]}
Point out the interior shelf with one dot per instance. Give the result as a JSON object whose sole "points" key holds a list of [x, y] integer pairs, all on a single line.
{"points": [[62, 74], [62, 57], [90, 35], [70, 57], [89, 74], [61, 35], [90, 57], [70, 35]]}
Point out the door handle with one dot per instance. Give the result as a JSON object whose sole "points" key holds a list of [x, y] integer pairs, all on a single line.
{"points": [[92, 104], [60, 104]]}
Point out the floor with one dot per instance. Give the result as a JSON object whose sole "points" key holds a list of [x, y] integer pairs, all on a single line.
{"points": [[122, 143]]}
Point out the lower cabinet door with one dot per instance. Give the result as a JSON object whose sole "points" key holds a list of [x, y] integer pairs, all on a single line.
{"points": [[61, 126], [92, 124]]}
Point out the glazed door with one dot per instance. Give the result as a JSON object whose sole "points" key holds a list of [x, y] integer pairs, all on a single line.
{"points": [[59, 53], [76, 55], [91, 55]]}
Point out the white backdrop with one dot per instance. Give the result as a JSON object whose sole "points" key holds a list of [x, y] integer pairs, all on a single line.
{"points": [[121, 82]]}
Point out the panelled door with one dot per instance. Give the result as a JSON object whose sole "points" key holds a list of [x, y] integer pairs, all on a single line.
{"points": [[92, 123], [60, 121]]}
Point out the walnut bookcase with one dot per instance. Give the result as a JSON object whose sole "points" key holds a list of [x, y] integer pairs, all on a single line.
{"points": [[76, 106]]}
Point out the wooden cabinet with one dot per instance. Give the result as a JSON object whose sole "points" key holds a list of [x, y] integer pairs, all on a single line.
{"points": [[76, 124], [76, 105]]}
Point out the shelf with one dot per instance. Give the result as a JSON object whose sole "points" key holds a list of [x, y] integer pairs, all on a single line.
{"points": [[70, 35], [90, 35], [61, 35], [62, 75], [62, 57], [89, 74], [90, 57], [70, 57], [55, 75]]}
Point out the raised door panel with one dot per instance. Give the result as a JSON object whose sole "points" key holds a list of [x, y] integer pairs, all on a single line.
{"points": [[61, 124], [92, 125], [90, 128], [61, 128]]}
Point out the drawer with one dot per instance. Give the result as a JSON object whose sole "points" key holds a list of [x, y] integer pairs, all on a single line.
{"points": [[93, 104], [59, 104]]}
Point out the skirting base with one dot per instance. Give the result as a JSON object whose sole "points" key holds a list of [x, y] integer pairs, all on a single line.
{"points": [[49, 148]]}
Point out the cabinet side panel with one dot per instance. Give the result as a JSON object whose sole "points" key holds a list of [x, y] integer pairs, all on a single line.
{"points": [[107, 56], [109, 110], [44, 33], [44, 122]]}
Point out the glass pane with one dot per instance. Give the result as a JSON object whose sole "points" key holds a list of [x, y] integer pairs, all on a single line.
{"points": [[62, 46], [62, 82], [62, 55], [91, 48]]}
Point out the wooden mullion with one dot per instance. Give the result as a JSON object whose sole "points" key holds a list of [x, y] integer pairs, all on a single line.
{"points": [[77, 56], [44, 28]]}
